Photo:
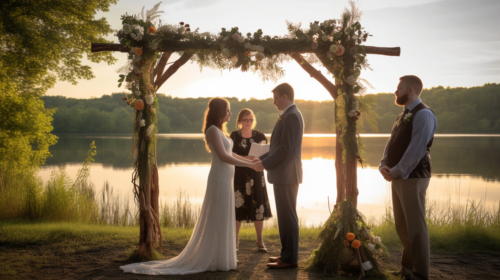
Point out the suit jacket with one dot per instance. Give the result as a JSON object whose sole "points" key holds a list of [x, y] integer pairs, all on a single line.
{"points": [[283, 161]]}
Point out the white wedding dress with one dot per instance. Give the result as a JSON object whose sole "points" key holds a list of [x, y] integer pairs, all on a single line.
{"points": [[213, 243]]}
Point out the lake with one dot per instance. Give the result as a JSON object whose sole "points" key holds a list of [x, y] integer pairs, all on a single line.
{"points": [[465, 167]]}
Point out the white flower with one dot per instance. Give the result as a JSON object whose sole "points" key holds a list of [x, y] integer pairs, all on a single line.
{"points": [[234, 59], [325, 38], [371, 247], [314, 26], [333, 48], [149, 99], [136, 58], [181, 29], [164, 28], [247, 45], [259, 213], [149, 130], [241, 40], [142, 123], [248, 188], [351, 80], [407, 117], [238, 199], [127, 28], [377, 240], [137, 93], [225, 52], [133, 35], [137, 70], [260, 56], [137, 29], [352, 113], [139, 37], [236, 36], [330, 54]]}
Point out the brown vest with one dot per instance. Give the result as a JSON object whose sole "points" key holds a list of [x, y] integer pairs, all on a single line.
{"points": [[400, 140]]}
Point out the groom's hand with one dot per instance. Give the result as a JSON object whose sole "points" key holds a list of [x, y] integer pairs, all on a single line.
{"points": [[257, 166], [385, 171]]}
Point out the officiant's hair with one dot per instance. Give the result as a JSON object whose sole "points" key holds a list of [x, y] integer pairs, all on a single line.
{"points": [[413, 81], [284, 89], [214, 115], [243, 113]]}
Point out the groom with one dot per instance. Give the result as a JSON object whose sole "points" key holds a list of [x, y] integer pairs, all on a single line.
{"points": [[407, 164], [284, 170]]}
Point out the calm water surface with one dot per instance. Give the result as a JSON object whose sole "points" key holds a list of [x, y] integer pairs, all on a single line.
{"points": [[464, 167]]}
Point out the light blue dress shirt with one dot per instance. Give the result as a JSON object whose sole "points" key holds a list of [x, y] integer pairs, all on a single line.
{"points": [[424, 127]]}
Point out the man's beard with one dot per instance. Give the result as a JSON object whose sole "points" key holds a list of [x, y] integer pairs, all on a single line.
{"points": [[401, 100]]}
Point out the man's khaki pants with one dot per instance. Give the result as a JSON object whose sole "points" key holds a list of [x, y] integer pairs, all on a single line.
{"points": [[408, 200]]}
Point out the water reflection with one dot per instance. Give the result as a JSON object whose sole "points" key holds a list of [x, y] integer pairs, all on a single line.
{"points": [[464, 168], [459, 155]]}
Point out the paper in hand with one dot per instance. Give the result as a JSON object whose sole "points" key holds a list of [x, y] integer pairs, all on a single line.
{"points": [[256, 150]]}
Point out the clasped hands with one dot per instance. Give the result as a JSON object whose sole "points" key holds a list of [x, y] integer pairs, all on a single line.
{"points": [[256, 164], [385, 171]]}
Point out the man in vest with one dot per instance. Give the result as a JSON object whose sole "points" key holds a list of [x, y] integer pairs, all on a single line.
{"points": [[407, 164]]}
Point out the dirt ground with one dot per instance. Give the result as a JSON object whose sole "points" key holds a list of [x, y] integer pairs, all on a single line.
{"points": [[50, 262]]}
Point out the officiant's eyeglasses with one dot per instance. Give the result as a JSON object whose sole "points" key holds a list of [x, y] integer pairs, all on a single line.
{"points": [[247, 120]]}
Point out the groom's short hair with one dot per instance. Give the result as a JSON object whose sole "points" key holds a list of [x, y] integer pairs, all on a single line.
{"points": [[284, 89], [413, 81]]}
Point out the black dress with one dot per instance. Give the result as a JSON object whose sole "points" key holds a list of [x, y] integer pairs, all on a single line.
{"points": [[250, 192]]}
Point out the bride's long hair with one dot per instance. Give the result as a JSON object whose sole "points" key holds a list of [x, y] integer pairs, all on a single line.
{"points": [[214, 115]]}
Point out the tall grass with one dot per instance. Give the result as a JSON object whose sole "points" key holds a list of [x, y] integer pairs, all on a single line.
{"points": [[24, 196], [181, 214], [460, 227]]}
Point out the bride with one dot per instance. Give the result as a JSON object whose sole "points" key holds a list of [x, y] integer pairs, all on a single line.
{"points": [[213, 243]]}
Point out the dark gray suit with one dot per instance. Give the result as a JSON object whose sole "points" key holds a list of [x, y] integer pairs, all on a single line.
{"points": [[284, 170]]}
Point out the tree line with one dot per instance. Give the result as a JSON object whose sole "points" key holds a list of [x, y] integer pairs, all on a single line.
{"points": [[458, 110]]}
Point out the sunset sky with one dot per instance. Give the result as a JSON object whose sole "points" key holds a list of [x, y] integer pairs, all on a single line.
{"points": [[450, 43]]}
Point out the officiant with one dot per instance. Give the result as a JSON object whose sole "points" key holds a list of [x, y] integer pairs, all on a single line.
{"points": [[250, 192]]}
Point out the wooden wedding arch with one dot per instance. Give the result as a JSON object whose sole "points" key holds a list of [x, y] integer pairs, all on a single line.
{"points": [[338, 45]]}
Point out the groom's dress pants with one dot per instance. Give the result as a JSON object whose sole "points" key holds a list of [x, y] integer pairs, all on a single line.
{"points": [[408, 199], [288, 222]]}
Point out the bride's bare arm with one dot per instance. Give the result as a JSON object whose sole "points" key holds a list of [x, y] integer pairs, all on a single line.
{"points": [[214, 138], [243, 158]]}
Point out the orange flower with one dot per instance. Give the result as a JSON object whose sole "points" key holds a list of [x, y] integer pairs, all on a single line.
{"points": [[247, 53], [356, 244], [346, 242], [152, 29], [139, 104], [340, 50], [138, 51], [350, 236]]}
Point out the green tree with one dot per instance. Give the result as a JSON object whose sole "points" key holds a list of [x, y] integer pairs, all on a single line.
{"points": [[42, 40]]}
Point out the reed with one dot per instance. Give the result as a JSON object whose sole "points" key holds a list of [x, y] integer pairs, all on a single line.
{"points": [[452, 226]]}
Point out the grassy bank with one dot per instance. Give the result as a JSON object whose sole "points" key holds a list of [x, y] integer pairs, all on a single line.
{"points": [[459, 229]]}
